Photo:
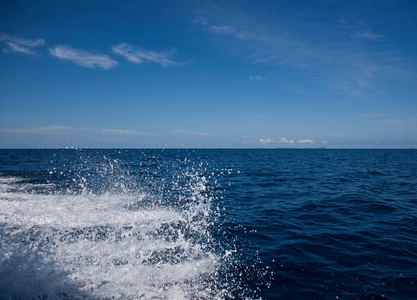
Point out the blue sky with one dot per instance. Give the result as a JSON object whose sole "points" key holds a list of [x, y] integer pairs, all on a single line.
{"points": [[218, 74]]}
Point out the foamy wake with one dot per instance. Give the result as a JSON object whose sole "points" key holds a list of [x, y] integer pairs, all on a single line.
{"points": [[103, 246]]}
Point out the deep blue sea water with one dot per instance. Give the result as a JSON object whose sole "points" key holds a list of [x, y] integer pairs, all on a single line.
{"points": [[208, 224]]}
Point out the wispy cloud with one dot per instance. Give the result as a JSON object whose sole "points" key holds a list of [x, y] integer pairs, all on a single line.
{"points": [[59, 130], [227, 29], [266, 141], [350, 66], [16, 44], [367, 35], [395, 121], [82, 58], [128, 132], [200, 21], [337, 134], [256, 77], [138, 55], [265, 47], [20, 130], [54, 129], [263, 115], [191, 133]]}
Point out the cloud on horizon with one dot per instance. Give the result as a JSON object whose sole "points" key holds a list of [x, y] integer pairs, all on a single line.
{"points": [[21, 45], [191, 133], [82, 58], [286, 141], [306, 141], [266, 141], [138, 55]]}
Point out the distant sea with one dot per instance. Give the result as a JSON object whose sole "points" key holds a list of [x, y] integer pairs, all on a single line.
{"points": [[208, 224]]}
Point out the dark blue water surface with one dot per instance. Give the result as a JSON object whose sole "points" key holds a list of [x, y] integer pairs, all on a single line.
{"points": [[208, 224]]}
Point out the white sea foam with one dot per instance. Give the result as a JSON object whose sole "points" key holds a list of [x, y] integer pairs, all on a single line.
{"points": [[104, 246], [16, 184]]}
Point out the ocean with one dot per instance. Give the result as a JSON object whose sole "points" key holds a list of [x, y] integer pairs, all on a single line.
{"points": [[208, 224]]}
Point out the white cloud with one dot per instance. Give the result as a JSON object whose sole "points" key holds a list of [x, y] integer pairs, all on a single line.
{"points": [[286, 141], [192, 133], [137, 55], [266, 141], [306, 141], [20, 44], [82, 58]]}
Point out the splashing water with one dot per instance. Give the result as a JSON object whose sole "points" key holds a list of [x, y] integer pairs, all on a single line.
{"points": [[96, 228]]}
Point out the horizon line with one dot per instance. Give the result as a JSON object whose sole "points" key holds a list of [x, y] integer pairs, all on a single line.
{"points": [[203, 148]]}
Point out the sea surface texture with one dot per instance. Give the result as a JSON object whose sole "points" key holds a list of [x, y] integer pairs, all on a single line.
{"points": [[208, 224]]}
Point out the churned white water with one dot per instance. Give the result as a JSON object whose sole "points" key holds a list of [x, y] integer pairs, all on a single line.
{"points": [[108, 245]]}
